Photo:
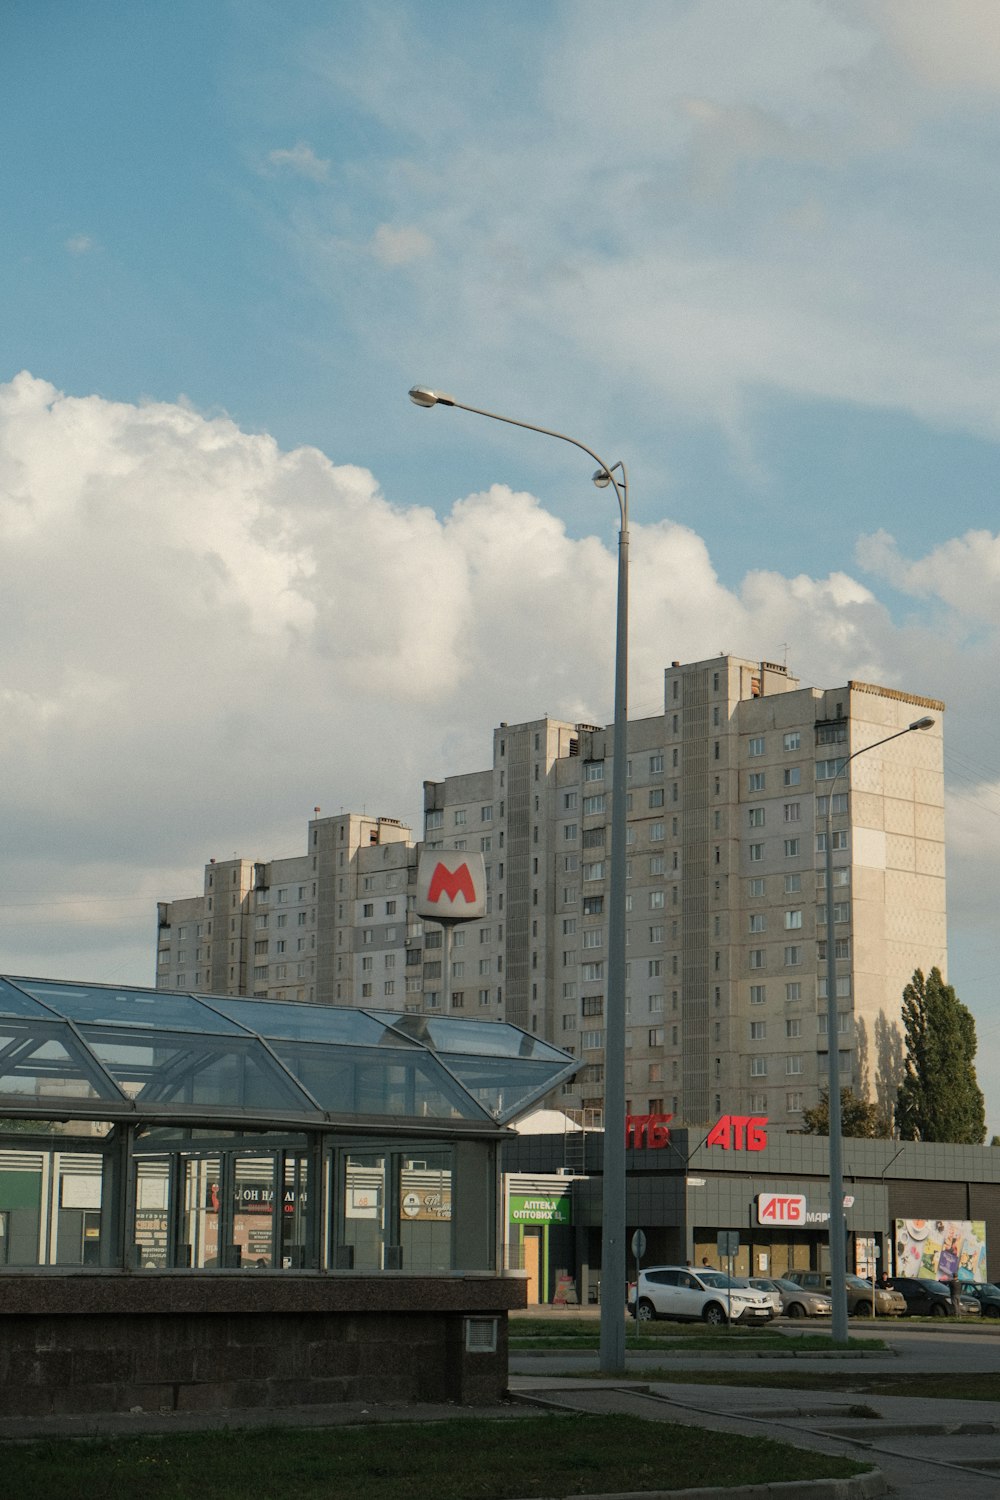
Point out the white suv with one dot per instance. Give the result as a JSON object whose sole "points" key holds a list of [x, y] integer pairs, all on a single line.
{"points": [[689, 1296]]}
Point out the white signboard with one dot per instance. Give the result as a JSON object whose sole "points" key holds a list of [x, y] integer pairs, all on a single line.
{"points": [[781, 1208], [451, 885]]}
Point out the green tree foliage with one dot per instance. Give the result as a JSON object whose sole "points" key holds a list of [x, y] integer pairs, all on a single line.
{"points": [[939, 1098], [857, 1117]]}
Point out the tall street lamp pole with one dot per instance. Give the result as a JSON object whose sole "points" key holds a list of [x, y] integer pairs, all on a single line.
{"points": [[613, 1269], [838, 1239]]}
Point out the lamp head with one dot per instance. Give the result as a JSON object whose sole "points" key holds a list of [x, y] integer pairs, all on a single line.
{"points": [[602, 479], [926, 723], [421, 396]]}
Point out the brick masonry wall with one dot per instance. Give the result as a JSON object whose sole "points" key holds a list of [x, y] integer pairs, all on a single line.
{"points": [[210, 1353]]}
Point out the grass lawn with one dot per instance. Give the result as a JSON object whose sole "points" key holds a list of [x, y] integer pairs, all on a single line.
{"points": [[538, 1333], [461, 1459]]}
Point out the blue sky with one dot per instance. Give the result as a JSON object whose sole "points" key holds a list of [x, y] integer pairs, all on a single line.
{"points": [[746, 246]]}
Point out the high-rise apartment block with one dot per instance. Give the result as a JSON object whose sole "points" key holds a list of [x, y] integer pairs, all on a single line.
{"points": [[728, 792]]}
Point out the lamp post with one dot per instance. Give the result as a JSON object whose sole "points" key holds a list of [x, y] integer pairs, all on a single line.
{"points": [[838, 1245], [613, 1263]]}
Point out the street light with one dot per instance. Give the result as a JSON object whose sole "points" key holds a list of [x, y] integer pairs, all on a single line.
{"points": [[613, 1265], [838, 1242]]}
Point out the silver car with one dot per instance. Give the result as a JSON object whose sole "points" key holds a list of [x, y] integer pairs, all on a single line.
{"points": [[796, 1301]]}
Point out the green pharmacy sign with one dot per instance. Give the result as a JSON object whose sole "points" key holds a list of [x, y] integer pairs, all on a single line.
{"points": [[540, 1208]]}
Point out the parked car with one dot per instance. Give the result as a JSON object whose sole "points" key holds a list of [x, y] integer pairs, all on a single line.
{"points": [[888, 1304], [986, 1294], [931, 1299], [770, 1289], [689, 1296], [796, 1301]]}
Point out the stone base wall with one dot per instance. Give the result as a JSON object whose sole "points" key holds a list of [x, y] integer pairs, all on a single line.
{"points": [[188, 1343]]}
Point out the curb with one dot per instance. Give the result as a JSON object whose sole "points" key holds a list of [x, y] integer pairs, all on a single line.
{"points": [[861, 1487]]}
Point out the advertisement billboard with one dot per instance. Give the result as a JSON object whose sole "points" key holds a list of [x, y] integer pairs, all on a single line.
{"points": [[938, 1248]]}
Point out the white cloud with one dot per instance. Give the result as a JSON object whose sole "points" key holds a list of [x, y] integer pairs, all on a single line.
{"points": [[398, 246], [955, 47], [79, 244], [203, 637], [302, 160]]}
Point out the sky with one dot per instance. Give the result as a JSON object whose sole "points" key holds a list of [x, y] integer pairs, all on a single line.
{"points": [[746, 247]]}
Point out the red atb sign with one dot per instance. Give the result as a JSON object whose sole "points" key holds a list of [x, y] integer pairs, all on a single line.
{"points": [[648, 1130], [781, 1208], [739, 1133], [451, 885]]}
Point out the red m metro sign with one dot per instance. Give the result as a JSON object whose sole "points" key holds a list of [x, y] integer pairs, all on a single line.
{"points": [[451, 885]]}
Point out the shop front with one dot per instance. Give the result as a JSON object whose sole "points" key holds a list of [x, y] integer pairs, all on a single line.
{"points": [[763, 1195]]}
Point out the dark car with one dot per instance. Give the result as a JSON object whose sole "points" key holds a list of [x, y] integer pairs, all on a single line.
{"points": [[986, 1294], [931, 1299]]}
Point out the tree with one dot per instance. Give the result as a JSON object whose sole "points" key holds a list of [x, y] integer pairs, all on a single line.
{"points": [[939, 1098], [857, 1116]]}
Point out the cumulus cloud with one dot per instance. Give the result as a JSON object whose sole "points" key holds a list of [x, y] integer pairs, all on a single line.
{"points": [[300, 159], [202, 637], [79, 244]]}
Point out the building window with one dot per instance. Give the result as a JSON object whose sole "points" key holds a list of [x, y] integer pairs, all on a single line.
{"points": [[592, 1005], [655, 764], [758, 1067], [593, 770], [755, 817], [758, 921], [793, 1065], [755, 781], [591, 1041], [656, 796], [793, 919], [756, 853], [843, 987], [758, 1030], [589, 972], [793, 848], [826, 770], [793, 990], [793, 1102], [757, 958], [841, 840], [793, 883], [593, 937], [755, 745], [593, 906], [756, 887], [792, 740], [791, 812], [655, 1036], [793, 1026], [793, 956], [486, 813], [657, 900], [593, 805], [792, 776], [434, 819], [758, 994]]}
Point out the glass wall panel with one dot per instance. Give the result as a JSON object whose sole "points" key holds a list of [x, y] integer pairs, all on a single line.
{"points": [[363, 1212], [425, 1189], [152, 1213], [201, 1224]]}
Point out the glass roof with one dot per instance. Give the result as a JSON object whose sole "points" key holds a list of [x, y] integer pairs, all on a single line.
{"points": [[86, 1050]]}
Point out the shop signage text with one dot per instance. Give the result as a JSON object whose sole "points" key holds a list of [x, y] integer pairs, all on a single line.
{"points": [[739, 1133], [781, 1208], [647, 1130], [548, 1209]]}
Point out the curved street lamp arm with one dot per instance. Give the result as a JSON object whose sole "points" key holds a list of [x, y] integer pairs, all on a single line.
{"points": [[621, 490]]}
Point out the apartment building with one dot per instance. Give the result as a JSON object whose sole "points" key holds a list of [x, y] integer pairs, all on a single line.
{"points": [[726, 923]]}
